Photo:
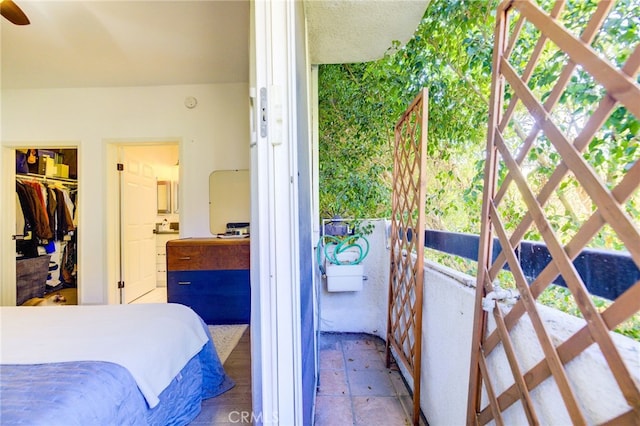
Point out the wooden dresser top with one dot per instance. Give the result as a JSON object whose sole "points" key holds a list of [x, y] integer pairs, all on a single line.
{"points": [[196, 254], [209, 242]]}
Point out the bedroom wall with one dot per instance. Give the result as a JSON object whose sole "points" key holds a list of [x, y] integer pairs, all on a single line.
{"points": [[212, 136]]}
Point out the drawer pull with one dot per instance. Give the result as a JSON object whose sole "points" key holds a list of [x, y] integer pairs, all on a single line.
{"points": [[185, 258], [184, 282]]}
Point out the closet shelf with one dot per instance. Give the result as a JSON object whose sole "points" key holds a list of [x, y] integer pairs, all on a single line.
{"points": [[43, 178]]}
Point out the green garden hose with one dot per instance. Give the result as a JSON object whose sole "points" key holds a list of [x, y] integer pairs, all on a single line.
{"points": [[341, 245]]}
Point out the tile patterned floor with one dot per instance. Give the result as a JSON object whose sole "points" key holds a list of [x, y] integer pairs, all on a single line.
{"points": [[355, 387]]}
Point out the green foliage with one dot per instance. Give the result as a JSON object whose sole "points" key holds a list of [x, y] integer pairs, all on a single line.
{"points": [[355, 172], [561, 298], [359, 105], [450, 55]]}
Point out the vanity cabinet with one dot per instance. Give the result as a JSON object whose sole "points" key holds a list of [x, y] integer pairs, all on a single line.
{"points": [[211, 276], [161, 256]]}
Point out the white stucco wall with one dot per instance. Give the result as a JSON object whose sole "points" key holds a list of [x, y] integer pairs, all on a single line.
{"points": [[595, 388], [446, 346], [361, 311], [212, 136], [447, 321]]}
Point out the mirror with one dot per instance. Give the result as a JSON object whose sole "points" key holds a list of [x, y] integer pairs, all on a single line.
{"points": [[164, 196], [229, 199]]}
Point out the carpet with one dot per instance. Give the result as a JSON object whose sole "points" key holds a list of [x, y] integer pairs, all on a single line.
{"points": [[225, 338]]}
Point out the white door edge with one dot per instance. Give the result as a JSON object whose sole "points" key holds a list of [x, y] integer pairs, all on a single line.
{"points": [[8, 228], [276, 355]]}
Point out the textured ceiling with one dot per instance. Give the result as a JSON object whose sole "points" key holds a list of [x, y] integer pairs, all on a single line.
{"points": [[135, 43], [359, 30], [126, 43]]}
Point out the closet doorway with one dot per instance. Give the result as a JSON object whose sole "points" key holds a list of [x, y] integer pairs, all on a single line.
{"points": [[149, 217], [46, 226]]}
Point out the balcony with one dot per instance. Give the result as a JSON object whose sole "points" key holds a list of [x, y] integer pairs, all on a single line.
{"points": [[447, 331], [495, 353]]}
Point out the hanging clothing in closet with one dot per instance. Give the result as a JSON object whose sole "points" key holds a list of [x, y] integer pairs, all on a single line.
{"points": [[47, 211], [47, 208], [34, 209]]}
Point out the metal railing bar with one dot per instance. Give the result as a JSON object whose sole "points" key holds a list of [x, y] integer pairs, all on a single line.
{"points": [[606, 273]]}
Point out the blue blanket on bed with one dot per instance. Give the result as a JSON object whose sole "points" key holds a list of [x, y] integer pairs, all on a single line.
{"points": [[103, 393]]}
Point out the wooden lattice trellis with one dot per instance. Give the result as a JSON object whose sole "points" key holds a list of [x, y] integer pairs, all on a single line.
{"points": [[404, 332], [512, 98]]}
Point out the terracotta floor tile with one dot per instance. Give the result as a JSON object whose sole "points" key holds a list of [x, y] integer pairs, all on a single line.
{"points": [[370, 383], [332, 359], [364, 360], [376, 392], [333, 382], [359, 344], [382, 411], [333, 411]]}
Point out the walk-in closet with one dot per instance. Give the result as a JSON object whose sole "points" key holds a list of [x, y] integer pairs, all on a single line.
{"points": [[46, 226]]}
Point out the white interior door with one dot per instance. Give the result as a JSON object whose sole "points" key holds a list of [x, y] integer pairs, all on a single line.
{"points": [[138, 213]]}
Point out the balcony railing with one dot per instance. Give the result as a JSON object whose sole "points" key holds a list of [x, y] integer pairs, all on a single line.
{"points": [[605, 273]]}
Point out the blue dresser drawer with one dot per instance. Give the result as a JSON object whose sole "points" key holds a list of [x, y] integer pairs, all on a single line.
{"points": [[219, 297]]}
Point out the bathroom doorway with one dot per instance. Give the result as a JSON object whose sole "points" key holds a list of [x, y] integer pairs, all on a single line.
{"points": [[149, 215]]}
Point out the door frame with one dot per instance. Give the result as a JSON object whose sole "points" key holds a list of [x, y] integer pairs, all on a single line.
{"points": [[112, 217], [8, 293]]}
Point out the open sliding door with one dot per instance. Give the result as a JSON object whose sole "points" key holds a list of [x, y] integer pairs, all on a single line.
{"points": [[281, 331]]}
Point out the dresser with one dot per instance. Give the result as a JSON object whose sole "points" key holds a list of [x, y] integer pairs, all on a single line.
{"points": [[211, 276]]}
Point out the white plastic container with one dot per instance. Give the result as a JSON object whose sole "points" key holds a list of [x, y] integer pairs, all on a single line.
{"points": [[344, 277]]}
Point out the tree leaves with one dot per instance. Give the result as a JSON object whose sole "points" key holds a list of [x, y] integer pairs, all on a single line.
{"points": [[360, 104], [451, 55]]}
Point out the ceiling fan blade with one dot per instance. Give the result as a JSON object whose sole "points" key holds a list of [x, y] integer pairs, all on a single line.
{"points": [[13, 13]]}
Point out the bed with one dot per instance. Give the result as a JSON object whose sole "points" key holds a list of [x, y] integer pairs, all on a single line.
{"points": [[106, 365]]}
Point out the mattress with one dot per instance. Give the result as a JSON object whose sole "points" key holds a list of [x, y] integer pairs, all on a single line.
{"points": [[85, 392]]}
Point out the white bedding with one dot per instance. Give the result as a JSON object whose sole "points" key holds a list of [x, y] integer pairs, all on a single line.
{"points": [[152, 341]]}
